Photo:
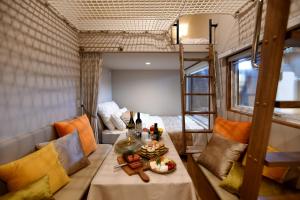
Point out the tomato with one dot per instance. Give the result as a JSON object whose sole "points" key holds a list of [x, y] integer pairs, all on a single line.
{"points": [[152, 128], [136, 157]]}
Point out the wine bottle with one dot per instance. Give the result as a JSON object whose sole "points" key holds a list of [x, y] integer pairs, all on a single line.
{"points": [[138, 124], [131, 125], [156, 133]]}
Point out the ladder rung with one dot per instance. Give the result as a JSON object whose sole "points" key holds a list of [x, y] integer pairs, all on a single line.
{"points": [[279, 159], [200, 94], [196, 59], [287, 104], [199, 131], [199, 113], [194, 149], [197, 76]]}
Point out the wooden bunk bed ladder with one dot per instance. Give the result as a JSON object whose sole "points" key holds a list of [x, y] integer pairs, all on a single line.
{"points": [[276, 19], [211, 94]]}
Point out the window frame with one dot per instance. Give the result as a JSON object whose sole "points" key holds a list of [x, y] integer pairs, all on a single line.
{"points": [[247, 110]]}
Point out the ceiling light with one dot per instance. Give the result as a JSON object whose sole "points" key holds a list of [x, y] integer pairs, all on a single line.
{"points": [[148, 63]]}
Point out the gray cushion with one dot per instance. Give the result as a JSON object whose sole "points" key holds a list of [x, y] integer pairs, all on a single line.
{"points": [[81, 180], [220, 153], [70, 152]]}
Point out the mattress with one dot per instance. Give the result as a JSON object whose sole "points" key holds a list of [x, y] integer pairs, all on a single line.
{"points": [[173, 126]]}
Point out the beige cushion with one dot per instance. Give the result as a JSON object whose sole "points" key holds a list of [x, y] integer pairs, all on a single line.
{"points": [[70, 152], [81, 180], [219, 155], [215, 182]]}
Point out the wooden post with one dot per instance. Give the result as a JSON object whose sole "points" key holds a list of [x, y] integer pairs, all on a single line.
{"points": [[212, 73], [271, 57], [183, 97]]}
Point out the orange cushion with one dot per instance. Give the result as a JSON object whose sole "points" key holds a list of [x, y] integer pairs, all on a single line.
{"points": [[275, 173], [85, 131], [237, 131]]}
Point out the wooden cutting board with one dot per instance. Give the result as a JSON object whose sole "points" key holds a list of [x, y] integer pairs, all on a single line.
{"points": [[139, 171]]}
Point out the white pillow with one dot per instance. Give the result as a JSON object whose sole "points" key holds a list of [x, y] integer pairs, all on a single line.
{"points": [[106, 110], [121, 111], [117, 121]]}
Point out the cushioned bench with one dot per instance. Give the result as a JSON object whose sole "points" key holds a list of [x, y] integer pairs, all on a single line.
{"points": [[19, 146], [206, 183]]}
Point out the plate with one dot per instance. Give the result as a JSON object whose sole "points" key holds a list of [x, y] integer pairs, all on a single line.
{"points": [[162, 172], [159, 172]]}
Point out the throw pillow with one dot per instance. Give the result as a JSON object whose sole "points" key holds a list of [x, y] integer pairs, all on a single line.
{"points": [[219, 155], [70, 152], [117, 121], [233, 182], [105, 110], [19, 173], [37, 190], [238, 131], [85, 131]]}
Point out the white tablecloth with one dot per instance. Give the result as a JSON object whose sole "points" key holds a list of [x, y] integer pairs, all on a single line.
{"points": [[110, 184]]}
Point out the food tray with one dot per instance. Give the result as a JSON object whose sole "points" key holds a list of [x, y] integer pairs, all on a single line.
{"points": [[150, 155]]}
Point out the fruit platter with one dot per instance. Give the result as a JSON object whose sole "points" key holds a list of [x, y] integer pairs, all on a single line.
{"points": [[162, 165], [153, 149]]}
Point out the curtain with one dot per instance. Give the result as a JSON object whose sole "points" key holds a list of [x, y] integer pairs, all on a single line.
{"points": [[91, 69]]}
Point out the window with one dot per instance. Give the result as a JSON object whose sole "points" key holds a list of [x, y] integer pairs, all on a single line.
{"points": [[244, 80], [245, 83], [198, 85]]}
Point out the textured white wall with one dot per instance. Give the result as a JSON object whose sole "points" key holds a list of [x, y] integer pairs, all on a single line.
{"points": [[39, 68], [105, 92], [156, 92]]}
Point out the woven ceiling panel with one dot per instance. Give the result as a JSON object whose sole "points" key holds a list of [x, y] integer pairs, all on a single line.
{"points": [[133, 41], [136, 15]]}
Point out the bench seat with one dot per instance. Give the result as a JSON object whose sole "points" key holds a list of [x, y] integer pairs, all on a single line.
{"points": [[24, 144], [214, 182]]}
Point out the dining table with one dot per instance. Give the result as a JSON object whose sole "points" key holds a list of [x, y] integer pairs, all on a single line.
{"points": [[115, 184]]}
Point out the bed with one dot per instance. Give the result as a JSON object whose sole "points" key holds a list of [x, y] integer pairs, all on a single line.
{"points": [[171, 124]]}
